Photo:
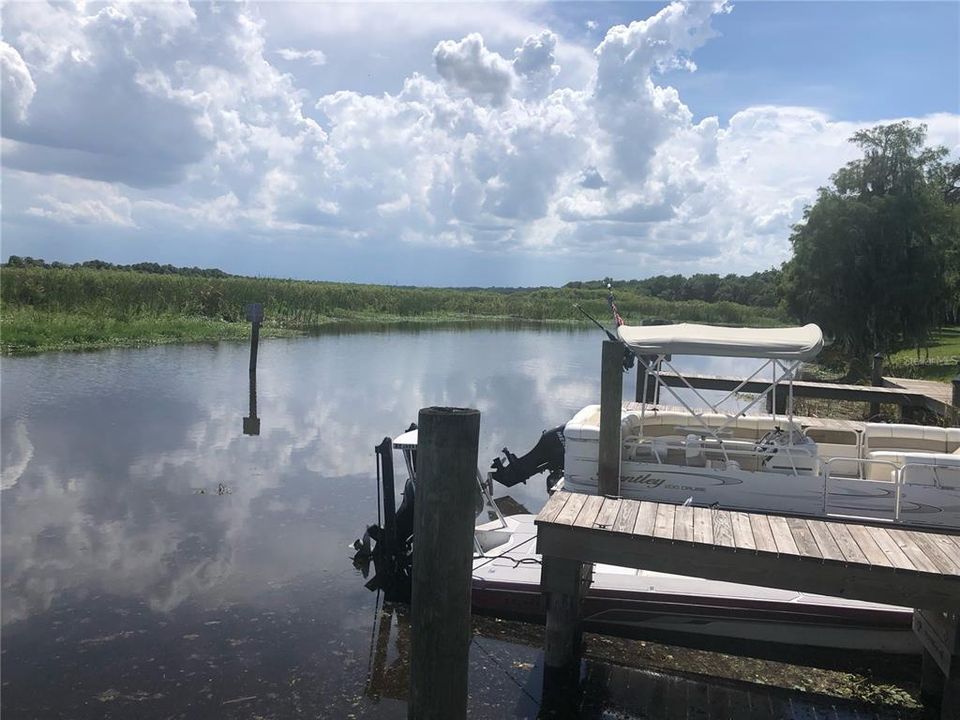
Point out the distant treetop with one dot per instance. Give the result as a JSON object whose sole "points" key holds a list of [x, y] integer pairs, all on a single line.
{"points": [[761, 289], [152, 268]]}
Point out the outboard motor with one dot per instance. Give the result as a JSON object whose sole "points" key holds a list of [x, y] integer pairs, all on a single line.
{"points": [[547, 454], [389, 546]]}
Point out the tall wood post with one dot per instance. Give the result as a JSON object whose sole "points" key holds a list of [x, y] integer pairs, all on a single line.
{"points": [[444, 515], [255, 317], [611, 406], [563, 583], [876, 379], [653, 393]]}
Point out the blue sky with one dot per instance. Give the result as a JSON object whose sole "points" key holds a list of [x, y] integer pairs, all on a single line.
{"points": [[454, 144]]}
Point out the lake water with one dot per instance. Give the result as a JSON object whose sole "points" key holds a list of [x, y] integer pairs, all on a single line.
{"points": [[156, 562]]}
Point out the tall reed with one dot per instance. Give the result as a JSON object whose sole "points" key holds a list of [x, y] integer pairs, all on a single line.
{"points": [[123, 295]]}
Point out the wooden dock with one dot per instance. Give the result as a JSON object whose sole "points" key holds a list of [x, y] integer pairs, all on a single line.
{"points": [[874, 563], [939, 396]]}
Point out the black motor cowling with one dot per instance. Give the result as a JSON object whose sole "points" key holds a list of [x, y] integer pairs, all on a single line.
{"points": [[547, 454]]}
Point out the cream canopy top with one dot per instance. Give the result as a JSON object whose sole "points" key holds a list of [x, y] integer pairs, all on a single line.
{"points": [[793, 343]]}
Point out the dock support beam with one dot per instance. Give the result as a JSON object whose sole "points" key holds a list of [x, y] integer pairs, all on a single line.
{"points": [[611, 407], [939, 634], [444, 515]]}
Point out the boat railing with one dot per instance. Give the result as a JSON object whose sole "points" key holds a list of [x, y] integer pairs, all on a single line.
{"points": [[895, 478], [937, 482], [899, 476]]}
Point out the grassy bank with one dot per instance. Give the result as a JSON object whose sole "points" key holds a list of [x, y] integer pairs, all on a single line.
{"points": [[43, 309], [27, 330], [941, 361]]}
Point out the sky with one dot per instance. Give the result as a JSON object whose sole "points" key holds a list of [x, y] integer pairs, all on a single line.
{"points": [[449, 144]]}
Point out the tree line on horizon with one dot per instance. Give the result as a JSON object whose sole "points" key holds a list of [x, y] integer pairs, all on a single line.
{"points": [[150, 268], [759, 289]]}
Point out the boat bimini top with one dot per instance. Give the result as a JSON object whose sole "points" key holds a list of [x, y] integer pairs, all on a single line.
{"points": [[783, 350], [795, 343]]}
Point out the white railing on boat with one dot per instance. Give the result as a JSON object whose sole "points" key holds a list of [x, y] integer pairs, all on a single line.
{"points": [[898, 478]]}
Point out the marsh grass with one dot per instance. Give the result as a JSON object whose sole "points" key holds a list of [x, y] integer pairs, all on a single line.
{"points": [[53, 308], [27, 330]]}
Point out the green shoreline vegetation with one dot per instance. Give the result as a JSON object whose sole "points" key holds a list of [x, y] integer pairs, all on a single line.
{"points": [[57, 308], [45, 308]]}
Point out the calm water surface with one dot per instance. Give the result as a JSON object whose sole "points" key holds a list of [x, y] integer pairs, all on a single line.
{"points": [[156, 562]]}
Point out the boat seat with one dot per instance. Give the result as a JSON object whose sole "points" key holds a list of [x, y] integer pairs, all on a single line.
{"points": [[904, 438], [920, 465], [953, 440], [838, 443]]}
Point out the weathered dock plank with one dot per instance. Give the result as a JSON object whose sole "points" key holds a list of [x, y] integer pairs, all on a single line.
{"points": [[702, 525], [627, 518], [848, 546], [803, 537], [742, 531], [554, 506], [868, 546], [663, 528], [782, 536], [646, 518], [571, 509], [588, 513], [683, 524]]}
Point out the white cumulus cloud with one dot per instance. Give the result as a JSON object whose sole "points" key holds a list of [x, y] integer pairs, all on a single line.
{"points": [[162, 117], [314, 57], [468, 65]]}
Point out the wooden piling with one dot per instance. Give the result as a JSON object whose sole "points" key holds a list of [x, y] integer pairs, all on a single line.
{"points": [[611, 404], [255, 317], [939, 635], [444, 515], [561, 581], [876, 379]]}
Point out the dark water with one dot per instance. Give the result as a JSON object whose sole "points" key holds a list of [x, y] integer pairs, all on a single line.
{"points": [[156, 562]]}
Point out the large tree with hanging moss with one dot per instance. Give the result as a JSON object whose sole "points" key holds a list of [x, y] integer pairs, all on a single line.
{"points": [[876, 257]]}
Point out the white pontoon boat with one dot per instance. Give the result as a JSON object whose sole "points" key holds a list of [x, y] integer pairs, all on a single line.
{"points": [[704, 455]]}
